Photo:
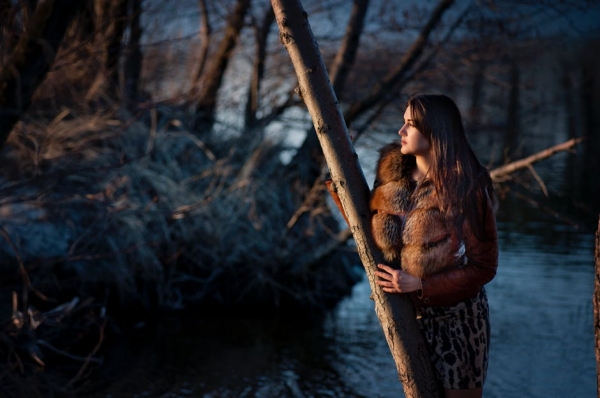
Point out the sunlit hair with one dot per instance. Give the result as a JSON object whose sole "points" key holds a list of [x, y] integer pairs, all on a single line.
{"points": [[459, 179]]}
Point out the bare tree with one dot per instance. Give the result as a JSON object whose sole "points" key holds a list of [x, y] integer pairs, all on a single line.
{"points": [[31, 59], [258, 69], [346, 54], [205, 32], [111, 20], [395, 312], [133, 59], [307, 165], [212, 79], [116, 23], [308, 161], [387, 85]]}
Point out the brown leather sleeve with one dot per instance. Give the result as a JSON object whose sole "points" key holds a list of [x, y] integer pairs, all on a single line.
{"points": [[461, 282], [336, 199]]}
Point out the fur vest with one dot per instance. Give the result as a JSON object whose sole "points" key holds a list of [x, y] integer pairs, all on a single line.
{"points": [[407, 224]]}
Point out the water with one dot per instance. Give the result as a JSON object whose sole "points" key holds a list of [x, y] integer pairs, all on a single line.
{"points": [[541, 308], [542, 337], [540, 302]]}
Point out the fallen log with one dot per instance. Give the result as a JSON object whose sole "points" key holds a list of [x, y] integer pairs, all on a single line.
{"points": [[501, 173]]}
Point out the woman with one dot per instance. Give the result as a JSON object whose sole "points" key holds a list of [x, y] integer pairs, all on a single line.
{"points": [[434, 216]]}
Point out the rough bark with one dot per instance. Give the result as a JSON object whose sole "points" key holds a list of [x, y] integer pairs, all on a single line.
{"points": [[211, 81], [395, 312], [597, 307], [31, 59]]}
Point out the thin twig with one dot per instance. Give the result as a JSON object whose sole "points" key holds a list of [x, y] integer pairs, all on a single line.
{"points": [[90, 358], [538, 179], [66, 354]]}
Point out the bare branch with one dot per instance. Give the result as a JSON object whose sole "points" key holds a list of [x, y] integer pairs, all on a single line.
{"points": [[500, 173], [409, 59]]}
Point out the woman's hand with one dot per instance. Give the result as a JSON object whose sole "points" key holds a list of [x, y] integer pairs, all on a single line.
{"points": [[396, 281]]}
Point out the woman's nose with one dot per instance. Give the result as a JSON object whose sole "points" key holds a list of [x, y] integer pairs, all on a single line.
{"points": [[402, 131]]}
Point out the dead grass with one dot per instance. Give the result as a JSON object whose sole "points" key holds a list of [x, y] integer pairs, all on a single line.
{"points": [[131, 216], [147, 215]]}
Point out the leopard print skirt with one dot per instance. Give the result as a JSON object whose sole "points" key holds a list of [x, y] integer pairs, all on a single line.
{"points": [[458, 338]]}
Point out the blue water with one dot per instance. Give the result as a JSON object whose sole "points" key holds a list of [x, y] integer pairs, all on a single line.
{"points": [[542, 326], [542, 337]]}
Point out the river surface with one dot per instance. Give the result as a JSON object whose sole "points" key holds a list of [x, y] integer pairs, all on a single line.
{"points": [[542, 335], [542, 341]]}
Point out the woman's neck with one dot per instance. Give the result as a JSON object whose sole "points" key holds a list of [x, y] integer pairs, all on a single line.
{"points": [[420, 172]]}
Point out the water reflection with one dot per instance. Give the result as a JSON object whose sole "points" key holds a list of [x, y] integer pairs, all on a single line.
{"points": [[542, 338]]}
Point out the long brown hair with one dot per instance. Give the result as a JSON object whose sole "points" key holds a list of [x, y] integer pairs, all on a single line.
{"points": [[461, 182]]}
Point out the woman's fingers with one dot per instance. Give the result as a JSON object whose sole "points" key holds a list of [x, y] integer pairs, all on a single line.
{"points": [[384, 275], [385, 267]]}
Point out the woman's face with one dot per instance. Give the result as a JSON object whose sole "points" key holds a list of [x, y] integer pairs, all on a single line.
{"points": [[413, 142]]}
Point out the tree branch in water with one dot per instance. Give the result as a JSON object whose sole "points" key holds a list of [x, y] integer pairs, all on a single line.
{"points": [[502, 173]]}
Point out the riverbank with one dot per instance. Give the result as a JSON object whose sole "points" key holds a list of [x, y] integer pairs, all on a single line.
{"points": [[109, 219]]}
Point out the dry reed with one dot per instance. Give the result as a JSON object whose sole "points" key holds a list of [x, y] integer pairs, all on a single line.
{"points": [[105, 202]]}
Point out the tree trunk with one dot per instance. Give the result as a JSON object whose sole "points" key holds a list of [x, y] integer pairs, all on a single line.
{"points": [[113, 18], [114, 43], [211, 81], [597, 307], [406, 77], [31, 59], [133, 61], [395, 311], [205, 31], [344, 59], [308, 161], [258, 69], [8, 31], [309, 158]]}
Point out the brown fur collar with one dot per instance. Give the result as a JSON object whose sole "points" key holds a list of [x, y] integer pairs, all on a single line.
{"points": [[408, 226]]}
